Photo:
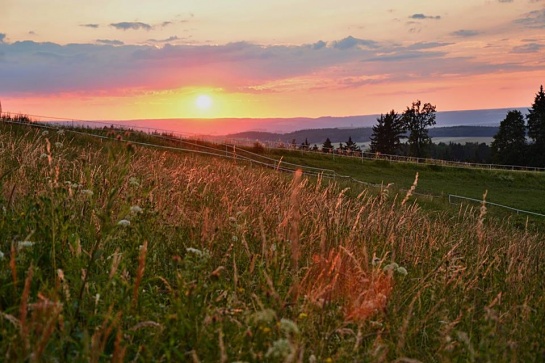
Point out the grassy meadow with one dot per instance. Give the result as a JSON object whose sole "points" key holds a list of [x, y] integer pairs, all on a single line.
{"points": [[518, 189], [111, 251]]}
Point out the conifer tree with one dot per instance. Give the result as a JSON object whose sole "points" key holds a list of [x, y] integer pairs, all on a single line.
{"points": [[327, 146], [536, 128], [351, 145], [387, 133]]}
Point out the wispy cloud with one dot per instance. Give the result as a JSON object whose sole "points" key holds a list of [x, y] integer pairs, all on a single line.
{"points": [[528, 48], [109, 65], [169, 39], [125, 25], [94, 26], [420, 16], [505, 1], [465, 33], [427, 45], [109, 42], [534, 19], [351, 42], [319, 45], [2, 37]]}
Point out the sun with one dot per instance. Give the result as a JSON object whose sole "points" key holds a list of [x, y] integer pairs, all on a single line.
{"points": [[203, 102]]}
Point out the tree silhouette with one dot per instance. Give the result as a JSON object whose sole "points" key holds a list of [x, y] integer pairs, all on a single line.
{"points": [[351, 146], [536, 128], [387, 134], [416, 120], [327, 146], [305, 145], [509, 145]]}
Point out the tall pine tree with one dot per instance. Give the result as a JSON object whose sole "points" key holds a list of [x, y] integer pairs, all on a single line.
{"points": [[387, 133], [536, 128]]}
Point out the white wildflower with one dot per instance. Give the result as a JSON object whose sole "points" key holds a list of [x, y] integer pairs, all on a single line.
{"points": [[23, 244], [58, 144], [45, 133], [288, 326], [60, 132], [280, 349], [197, 252], [375, 261], [402, 270], [124, 223], [43, 156], [234, 238], [1, 255], [136, 209], [194, 250], [134, 181], [87, 192], [391, 267], [265, 315]]}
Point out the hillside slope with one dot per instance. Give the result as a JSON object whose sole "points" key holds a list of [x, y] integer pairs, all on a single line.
{"points": [[115, 251]]}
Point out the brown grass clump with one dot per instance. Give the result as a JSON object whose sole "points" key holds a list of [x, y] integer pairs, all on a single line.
{"points": [[340, 278]]}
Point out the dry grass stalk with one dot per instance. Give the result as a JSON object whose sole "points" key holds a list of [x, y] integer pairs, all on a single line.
{"points": [[411, 190], [23, 309], [116, 260], [235, 273], [294, 218], [13, 265], [480, 221], [45, 316], [193, 353], [102, 335], [263, 240], [139, 272], [223, 353], [64, 284], [119, 350]]}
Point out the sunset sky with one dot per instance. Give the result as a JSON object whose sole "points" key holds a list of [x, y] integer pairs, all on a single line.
{"points": [[126, 59]]}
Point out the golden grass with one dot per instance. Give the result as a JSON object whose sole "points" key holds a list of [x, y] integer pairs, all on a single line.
{"points": [[367, 277]]}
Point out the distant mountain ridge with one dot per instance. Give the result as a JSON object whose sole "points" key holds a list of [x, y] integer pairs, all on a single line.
{"points": [[223, 126], [359, 135]]}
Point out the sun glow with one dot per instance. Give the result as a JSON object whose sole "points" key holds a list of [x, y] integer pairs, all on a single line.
{"points": [[203, 102]]}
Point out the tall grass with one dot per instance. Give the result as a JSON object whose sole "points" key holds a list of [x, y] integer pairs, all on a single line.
{"points": [[123, 253]]}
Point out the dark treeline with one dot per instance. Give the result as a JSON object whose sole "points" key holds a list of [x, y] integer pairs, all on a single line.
{"points": [[521, 140], [470, 152]]}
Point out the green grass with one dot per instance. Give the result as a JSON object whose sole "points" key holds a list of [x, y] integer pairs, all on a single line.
{"points": [[516, 189], [117, 252]]}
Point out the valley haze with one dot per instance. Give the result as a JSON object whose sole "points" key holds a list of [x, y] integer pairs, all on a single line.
{"points": [[230, 126]]}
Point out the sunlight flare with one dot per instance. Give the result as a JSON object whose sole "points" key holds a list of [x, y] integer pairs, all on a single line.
{"points": [[203, 102]]}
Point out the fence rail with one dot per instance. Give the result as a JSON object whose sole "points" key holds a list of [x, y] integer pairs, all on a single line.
{"points": [[453, 196]]}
